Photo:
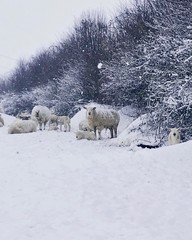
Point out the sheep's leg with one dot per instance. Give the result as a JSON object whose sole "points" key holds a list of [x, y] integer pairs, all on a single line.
{"points": [[69, 127], [65, 127], [95, 129], [99, 132], [111, 131], [40, 126], [45, 124], [115, 131], [60, 127]]}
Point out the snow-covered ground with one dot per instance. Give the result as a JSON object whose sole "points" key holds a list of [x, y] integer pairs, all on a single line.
{"points": [[54, 187]]}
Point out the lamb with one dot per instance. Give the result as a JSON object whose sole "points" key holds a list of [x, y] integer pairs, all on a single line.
{"points": [[66, 121], [23, 126], [83, 126], [53, 121], [42, 114], [174, 136], [102, 118], [1, 121], [85, 135]]}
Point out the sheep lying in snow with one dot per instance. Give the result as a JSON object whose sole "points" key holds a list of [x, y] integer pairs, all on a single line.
{"points": [[85, 135], [1, 121], [83, 126], [23, 116], [66, 121], [174, 136], [42, 114], [102, 118], [23, 126]]}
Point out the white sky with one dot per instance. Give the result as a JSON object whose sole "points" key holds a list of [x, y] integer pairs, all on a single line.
{"points": [[27, 26]]}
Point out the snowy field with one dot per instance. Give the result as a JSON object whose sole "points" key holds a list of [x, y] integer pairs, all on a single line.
{"points": [[54, 187]]}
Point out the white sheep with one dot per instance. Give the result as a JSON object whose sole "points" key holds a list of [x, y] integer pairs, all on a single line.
{"points": [[23, 116], [42, 114], [85, 135], [23, 126], [102, 118], [53, 121], [83, 126], [1, 121], [66, 121], [174, 136], [53, 128]]}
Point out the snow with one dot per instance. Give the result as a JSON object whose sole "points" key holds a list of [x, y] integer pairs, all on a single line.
{"points": [[55, 187], [100, 65]]}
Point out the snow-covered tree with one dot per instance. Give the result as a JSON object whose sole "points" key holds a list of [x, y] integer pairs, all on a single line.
{"points": [[168, 68]]}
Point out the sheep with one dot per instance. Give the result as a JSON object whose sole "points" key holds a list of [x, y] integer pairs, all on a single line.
{"points": [[66, 121], [83, 125], [53, 128], [102, 118], [42, 114], [53, 121], [23, 126], [85, 135], [174, 136], [23, 116], [1, 121]]}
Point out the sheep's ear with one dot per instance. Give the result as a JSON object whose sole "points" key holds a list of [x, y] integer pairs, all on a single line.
{"points": [[94, 108], [178, 129], [84, 107]]}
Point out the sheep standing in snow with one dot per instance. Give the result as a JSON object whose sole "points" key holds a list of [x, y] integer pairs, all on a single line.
{"points": [[66, 122], [42, 114], [85, 135], [83, 126], [102, 118], [23, 126], [1, 121], [53, 121], [174, 136]]}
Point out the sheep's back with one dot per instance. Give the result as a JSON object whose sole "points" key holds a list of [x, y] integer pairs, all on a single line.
{"points": [[106, 118], [64, 120], [22, 126]]}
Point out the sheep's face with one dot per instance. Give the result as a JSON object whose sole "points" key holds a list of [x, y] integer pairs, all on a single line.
{"points": [[78, 135], [37, 114], [91, 112], [174, 133]]}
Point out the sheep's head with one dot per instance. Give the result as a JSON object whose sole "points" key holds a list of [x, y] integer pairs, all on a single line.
{"points": [[37, 114], [175, 132], [38, 117], [90, 111]]}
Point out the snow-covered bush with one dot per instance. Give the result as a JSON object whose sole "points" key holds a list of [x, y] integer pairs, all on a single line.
{"points": [[137, 133]]}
